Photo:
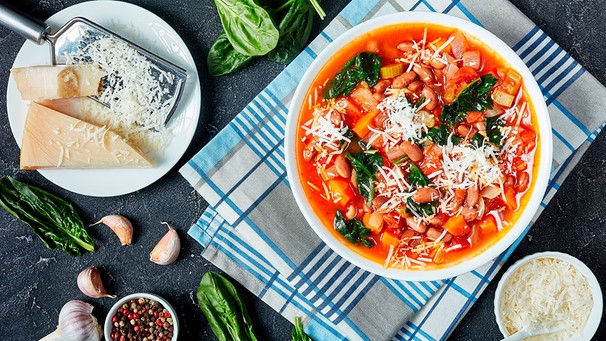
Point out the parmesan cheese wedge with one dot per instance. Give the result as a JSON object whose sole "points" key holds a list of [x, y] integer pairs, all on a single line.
{"points": [[59, 81], [52, 139]]}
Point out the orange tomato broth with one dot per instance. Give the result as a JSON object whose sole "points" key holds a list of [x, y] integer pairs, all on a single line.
{"points": [[383, 42]]}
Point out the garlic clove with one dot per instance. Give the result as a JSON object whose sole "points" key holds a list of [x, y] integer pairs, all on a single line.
{"points": [[121, 226], [89, 282], [168, 248], [76, 322]]}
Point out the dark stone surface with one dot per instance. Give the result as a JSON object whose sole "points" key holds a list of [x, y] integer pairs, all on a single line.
{"points": [[35, 282]]}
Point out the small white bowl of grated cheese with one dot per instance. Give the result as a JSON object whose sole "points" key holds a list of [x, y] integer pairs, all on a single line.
{"points": [[549, 291]]}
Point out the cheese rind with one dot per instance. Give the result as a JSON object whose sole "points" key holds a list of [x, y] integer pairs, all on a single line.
{"points": [[52, 139], [58, 81]]}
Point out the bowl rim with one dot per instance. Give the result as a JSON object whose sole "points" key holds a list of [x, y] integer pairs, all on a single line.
{"points": [[593, 321], [544, 127], [107, 325]]}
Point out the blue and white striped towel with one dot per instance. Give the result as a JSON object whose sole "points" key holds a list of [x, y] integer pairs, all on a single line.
{"points": [[253, 230]]}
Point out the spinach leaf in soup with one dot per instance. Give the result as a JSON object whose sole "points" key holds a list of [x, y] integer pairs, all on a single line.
{"points": [[295, 28], [493, 134], [223, 59], [353, 230], [493, 131], [416, 177], [248, 26], [366, 164], [363, 67], [421, 210], [441, 134], [54, 220], [474, 97]]}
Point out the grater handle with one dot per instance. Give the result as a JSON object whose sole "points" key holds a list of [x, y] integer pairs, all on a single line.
{"points": [[24, 24]]}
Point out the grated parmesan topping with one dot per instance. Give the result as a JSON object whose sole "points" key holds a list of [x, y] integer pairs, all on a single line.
{"points": [[546, 293], [465, 166], [402, 122], [329, 137]]}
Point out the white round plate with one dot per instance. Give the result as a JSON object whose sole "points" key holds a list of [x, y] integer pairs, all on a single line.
{"points": [[147, 30]]}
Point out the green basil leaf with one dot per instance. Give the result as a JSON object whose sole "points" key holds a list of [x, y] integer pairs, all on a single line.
{"points": [[363, 67], [294, 29], [53, 220], [248, 26], [223, 59]]}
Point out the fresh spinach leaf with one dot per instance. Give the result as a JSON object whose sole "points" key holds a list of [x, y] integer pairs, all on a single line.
{"points": [[248, 26], [53, 219], [477, 140], [366, 166], [493, 131], [223, 59], [363, 67], [416, 177], [294, 29], [421, 210], [440, 135], [353, 230], [474, 97], [224, 308]]}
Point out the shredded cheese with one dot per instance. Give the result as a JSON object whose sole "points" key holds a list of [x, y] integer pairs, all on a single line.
{"points": [[134, 88], [546, 293]]}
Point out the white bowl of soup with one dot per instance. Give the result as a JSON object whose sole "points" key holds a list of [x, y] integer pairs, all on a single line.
{"points": [[418, 146]]}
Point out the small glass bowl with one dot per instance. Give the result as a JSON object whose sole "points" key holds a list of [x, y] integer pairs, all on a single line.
{"points": [[107, 329]]}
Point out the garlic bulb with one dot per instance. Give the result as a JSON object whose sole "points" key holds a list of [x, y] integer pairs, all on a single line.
{"points": [[76, 323], [121, 226], [168, 248], [89, 282]]}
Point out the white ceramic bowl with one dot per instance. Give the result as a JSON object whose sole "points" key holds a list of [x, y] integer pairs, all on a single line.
{"points": [[532, 89], [596, 313], [107, 328]]}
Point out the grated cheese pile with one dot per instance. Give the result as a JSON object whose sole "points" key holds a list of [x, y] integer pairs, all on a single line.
{"points": [[139, 103], [546, 293]]}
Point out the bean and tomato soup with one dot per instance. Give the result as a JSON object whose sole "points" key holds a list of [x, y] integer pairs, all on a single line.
{"points": [[416, 145]]}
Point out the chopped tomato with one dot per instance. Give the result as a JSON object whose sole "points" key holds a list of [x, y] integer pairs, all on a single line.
{"points": [[474, 116], [464, 242], [494, 204], [510, 198], [528, 139], [519, 164], [394, 222]]}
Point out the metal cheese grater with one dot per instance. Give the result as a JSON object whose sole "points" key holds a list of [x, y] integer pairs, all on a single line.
{"points": [[79, 32]]}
